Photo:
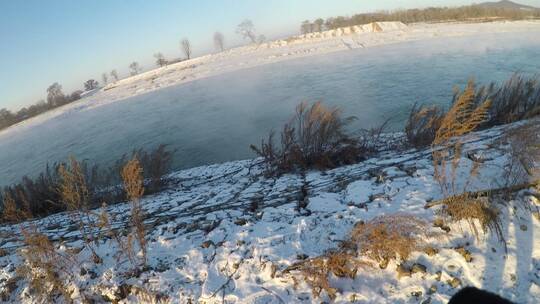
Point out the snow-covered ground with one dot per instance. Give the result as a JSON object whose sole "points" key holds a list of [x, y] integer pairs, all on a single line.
{"points": [[343, 39], [224, 234]]}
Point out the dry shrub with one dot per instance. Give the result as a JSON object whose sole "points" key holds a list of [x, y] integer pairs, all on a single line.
{"points": [[463, 117], [524, 151], [134, 187], [75, 196], [476, 210], [42, 196], [316, 271], [47, 270], [389, 237], [516, 99], [315, 137], [422, 125], [155, 165]]}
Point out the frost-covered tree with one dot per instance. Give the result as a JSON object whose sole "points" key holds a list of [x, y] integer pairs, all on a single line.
{"points": [[219, 41], [114, 75], [90, 85], [104, 78], [246, 29], [186, 47], [134, 68], [160, 60]]}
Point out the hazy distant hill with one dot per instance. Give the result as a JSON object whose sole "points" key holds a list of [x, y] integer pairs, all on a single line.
{"points": [[506, 4]]}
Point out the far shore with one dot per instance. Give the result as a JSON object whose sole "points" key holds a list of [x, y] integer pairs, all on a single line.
{"points": [[250, 56]]}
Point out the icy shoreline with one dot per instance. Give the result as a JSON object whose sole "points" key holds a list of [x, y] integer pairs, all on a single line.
{"points": [[226, 232], [271, 52]]}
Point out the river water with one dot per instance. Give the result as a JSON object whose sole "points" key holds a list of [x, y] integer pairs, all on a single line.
{"points": [[215, 119]]}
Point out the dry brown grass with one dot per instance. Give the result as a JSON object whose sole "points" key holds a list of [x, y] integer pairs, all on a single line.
{"points": [[422, 125], [132, 174], [316, 271], [47, 270], [462, 118], [381, 239], [315, 137], [475, 209], [388, 237], [75, 196]]}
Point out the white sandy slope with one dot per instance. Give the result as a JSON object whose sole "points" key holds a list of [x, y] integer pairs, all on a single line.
{"points": [[225, 233], [364, 36]]}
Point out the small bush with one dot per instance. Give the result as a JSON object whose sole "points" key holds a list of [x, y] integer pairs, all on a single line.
{"points": [[422, 125], [388, 237], [476, 210], [316, 271], [315, 137]]}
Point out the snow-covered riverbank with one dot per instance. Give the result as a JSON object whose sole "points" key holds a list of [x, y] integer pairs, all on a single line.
{"points": [[276, 51], [226, 232]]}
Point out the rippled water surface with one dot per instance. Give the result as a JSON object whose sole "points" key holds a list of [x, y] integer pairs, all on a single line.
{"points": [[215, 119]]}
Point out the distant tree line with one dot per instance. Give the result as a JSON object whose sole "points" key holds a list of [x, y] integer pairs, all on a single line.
{"points": [[431, 14], [55, 98]]}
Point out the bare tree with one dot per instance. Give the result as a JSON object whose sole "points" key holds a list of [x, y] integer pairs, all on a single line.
{"points": [[318, 25], [160, 60], [305, 27], [186, 47], [90, 85], [114, 75], [219, 41], [261, 39], [104, 79], [246, 29], [134, 68], [55, 96]]}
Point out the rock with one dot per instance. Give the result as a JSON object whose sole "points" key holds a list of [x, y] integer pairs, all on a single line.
{"points": [[207, 244], [432, 289], [302, 256], [403, 271], [416, 294], [454, 282], [465, 253], [438, 275], [418, 268], [523, 227], [240, 222]]}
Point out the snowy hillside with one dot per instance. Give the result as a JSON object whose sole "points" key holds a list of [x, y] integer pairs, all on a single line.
{"points": [[227, 234]]}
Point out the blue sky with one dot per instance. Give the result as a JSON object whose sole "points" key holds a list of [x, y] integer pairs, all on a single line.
{"points": [[70, 41]]}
